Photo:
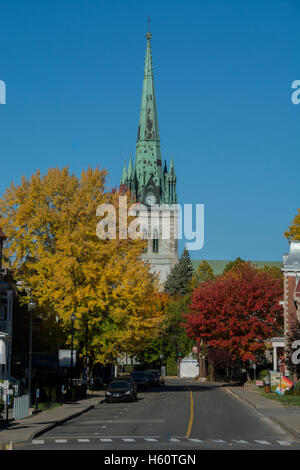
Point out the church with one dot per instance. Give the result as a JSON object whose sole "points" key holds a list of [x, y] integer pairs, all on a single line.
{"points": [[154, 185], [150, 183]]}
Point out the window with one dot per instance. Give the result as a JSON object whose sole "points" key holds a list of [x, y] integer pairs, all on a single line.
{"points": [[145, 237], [155, 242]]}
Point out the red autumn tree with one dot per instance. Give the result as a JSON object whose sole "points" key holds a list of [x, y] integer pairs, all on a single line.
{"points": [[236, 312]]}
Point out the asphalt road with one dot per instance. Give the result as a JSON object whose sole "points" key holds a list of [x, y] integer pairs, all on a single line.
{"points": [[183, 415]]}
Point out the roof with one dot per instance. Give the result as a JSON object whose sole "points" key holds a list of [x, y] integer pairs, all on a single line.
{"points": [[218, 266], [292, 260]]}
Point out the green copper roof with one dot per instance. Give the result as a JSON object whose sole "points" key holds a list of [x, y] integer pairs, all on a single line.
{"points": [[124, 174], [130, 168], [218, 265], [147, 174], [148, 153]]}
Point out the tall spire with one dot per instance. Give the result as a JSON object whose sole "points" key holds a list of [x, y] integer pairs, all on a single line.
{"points": [[130, 168], [147, 180], [124, 174], [172, 169], [148, 154]]}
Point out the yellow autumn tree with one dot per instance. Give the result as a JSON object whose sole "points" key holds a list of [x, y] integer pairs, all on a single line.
{"points": [[293, 232], [50, 222]]}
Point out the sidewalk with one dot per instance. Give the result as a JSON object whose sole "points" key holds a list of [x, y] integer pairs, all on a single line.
{"points": [[33, 426], [288, 417]]}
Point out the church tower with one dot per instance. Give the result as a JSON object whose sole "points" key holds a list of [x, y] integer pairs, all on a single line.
{"points": [[150, 183]]}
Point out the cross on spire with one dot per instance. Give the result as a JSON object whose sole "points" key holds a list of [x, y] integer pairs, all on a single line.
{"points": [[148, 35]]}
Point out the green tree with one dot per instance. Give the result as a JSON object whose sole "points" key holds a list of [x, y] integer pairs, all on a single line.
{"points": [[179, 279], [173, 340], [203, 273]]}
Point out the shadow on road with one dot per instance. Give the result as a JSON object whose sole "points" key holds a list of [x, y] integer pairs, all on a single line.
{"points": [[197, 387]]}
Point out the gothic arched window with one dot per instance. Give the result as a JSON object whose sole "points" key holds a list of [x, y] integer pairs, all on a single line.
{"points": [[145, 237], [155, 241]]}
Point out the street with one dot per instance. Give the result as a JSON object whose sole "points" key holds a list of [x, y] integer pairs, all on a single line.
{"points": [[183, 415]]}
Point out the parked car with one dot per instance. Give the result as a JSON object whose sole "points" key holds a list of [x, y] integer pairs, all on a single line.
{"points": [[95, 383], [140, 379], [159, 380], [128, 379], [120, 391], [151, 379]]}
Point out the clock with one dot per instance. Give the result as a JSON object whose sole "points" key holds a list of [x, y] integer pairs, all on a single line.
{"points": [[150, 199]]}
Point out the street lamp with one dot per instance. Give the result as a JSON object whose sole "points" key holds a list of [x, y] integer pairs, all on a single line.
{"points": [[73, 317], [31, 308]]}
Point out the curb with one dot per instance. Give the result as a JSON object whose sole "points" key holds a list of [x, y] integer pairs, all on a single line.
{"points": [[287, 428], [63, 420], [58, 422], [279, 423], [48, 427]]}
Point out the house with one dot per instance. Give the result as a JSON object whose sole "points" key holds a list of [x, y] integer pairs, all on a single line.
{"points": [[291, 302], [6, 311]]}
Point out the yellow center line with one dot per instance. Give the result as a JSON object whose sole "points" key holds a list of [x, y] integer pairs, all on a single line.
{"points": [[191, 416]]}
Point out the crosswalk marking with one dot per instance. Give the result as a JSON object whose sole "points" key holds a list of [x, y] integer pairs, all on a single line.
{"points": [[284, 443], [158, 439]]}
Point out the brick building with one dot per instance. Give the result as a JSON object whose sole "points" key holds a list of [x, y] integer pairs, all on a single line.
{"points": [[291, 303]]}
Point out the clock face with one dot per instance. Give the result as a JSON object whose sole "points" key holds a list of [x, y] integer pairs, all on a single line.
{"points": [[150, 199]]}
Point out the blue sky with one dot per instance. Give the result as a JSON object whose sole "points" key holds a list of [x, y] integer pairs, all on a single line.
{"points": [[223, 74]]}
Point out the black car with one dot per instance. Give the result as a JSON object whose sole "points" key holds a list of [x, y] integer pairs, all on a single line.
{"points": [[127, 379], [95, 383], [120, 391], [151, 379], [158, 378], [140, 379]]}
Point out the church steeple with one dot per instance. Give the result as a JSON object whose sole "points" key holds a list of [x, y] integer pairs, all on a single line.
{"points": [[148, 154], [152, 184], [147, 176]]}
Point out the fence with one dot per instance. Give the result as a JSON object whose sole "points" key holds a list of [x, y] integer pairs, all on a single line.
{"points": [[21, 407]]}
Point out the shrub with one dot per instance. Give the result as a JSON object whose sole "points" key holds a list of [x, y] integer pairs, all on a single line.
{"points": [[297, 388], [263, 373], [171, 366]]}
